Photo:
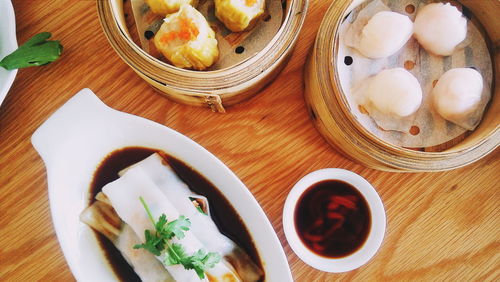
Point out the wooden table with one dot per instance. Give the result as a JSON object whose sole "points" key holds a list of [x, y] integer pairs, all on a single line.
{"points": [[440, 225]]}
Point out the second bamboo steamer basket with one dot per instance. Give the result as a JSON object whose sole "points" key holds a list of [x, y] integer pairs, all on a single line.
{"points": [[215, 89], [332, 116]]}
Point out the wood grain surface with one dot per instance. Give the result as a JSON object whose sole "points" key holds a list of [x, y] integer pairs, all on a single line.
{"points": [[441, 226]]}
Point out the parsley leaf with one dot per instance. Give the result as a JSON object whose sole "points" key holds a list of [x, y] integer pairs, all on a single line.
{"points": [[174, 254], [177, 227], [158, 243], [201, 261], [153, 243], [36, 51]]}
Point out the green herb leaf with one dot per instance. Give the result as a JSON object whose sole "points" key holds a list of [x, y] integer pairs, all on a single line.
{"points": [[159, 243], [177, 227], [174, 254], [162, 220], [152, 243], [36, 51], [201, 261]]}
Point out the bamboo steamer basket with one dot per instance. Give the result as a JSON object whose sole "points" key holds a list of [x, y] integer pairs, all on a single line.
{"points": [[214, 89], [330, 112]]}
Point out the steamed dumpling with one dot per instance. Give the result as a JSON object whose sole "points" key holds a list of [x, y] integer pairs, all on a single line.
{"points": [[239, 15], [439, 28], [458, 93], [384, 34], [165, 7], [394, 92], [186, 40]]}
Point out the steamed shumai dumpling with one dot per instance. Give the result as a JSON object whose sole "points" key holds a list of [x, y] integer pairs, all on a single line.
{"points": [[457, 93], [186, 40], [239, 15], [165, 7], [394, 92], [384, 34], [439, 28]]}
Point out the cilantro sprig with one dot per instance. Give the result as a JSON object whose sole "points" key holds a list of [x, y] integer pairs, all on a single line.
{"points": [[36, 51], [158, 242]]}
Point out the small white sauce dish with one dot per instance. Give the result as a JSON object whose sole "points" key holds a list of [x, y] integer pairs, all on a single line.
{"points": [[375, 236]]}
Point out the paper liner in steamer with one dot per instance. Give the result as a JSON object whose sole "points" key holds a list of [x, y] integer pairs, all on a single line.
{"points": [[234, 47], [432, 128]]}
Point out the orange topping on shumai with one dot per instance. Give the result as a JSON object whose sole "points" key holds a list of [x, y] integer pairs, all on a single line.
{"points": [[187, 31], [250, 3]]}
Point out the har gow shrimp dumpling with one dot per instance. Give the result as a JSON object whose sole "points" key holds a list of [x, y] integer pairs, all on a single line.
{"points": [[165, 7], [186, 40], [439, 28], [395, 92], [457, 93], [384, 34], [239, 15]]}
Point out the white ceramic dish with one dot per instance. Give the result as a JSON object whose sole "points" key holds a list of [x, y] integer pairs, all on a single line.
{"points": [[8, 43], [72, 143], [377, 230]]}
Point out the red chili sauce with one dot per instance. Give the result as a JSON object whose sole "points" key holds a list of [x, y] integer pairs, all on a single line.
{"points": [[332, 218]]}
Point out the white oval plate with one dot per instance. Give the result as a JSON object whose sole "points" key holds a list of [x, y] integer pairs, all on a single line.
{"points": [[8, 43], [76, 138]]}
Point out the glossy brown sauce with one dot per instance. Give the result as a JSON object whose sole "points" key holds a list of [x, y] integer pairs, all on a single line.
{"points": [[222, 212], [332, 218]]}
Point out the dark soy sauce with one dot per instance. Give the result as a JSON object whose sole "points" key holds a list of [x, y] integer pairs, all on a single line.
{"points": [[332, 218], [222, 212], [108, 172]]}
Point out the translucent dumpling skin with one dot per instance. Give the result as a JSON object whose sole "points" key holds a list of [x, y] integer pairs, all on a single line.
{"points": [[384, 34], [186, 40], [165, 7], [395, 92], [457, 93], [439, 28], [239, 15]]}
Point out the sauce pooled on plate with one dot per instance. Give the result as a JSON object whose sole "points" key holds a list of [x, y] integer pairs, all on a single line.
{"points": [[222, 211], [332, 218]]}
